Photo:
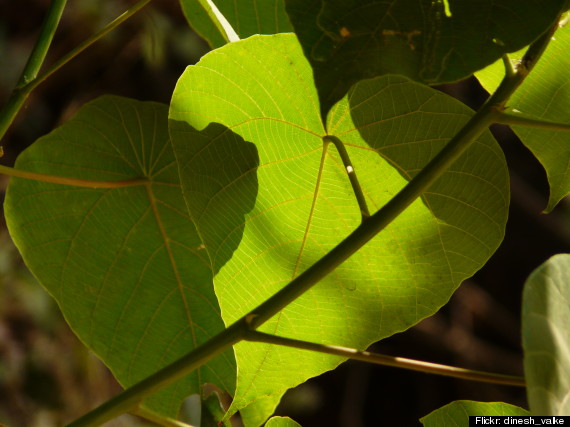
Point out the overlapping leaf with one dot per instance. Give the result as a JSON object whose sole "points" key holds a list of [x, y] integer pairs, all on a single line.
{"points": [[457, 413], [546, 337], [545, 94], [429, 41], [247, 17], [269, 198], [125, 265]]}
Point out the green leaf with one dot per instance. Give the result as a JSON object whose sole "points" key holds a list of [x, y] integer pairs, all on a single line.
{"points": [[457, 413], [269, 198], [125, 265], [282, 422], [545, 94], [247, 17], [546, 337], [349, 40]]}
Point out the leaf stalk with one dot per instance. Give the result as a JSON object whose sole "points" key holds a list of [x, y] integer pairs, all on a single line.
{"points": [[351, 172]]}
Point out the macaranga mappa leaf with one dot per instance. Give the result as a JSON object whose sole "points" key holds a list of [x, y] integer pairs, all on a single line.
{"points": [[269, 197], [546, 337], [545, 94], [429, 41], [125, 265], [457, 413]]}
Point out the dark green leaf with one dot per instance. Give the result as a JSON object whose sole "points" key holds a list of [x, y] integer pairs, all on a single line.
{"points": [[349, 40], [125, 265]]}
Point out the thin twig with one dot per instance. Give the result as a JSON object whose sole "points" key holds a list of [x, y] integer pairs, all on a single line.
{"points": [[385, 360], [512, 119]]}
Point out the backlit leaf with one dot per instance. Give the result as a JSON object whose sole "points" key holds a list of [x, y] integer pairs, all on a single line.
{"points": [[269, 198]]}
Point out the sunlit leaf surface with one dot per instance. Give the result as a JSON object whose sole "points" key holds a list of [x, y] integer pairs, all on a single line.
{"points": [[269, 198]]}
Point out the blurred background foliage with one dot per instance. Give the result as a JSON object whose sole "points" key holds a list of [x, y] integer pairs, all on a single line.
{"points": [[47, 377]]}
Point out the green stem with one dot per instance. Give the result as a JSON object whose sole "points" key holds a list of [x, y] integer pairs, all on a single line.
{"points": [[29, 81], [32, 67], [71, 181], [381, 359], [351, 174], [127, 400], [520, 120]]}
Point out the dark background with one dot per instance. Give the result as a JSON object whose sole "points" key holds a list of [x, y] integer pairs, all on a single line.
{"points": [[47, 377]]}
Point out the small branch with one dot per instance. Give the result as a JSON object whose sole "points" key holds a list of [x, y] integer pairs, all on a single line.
{"points": [[351, 174], [521, 120], [29, 81], [381, 359], [149, 415], [71, 181], [32, 67]]}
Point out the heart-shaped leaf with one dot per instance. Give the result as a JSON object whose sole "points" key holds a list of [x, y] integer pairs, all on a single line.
{"points": [[545, 94], [247, 17], [546, 337], [270, 196], [125, 265], [429, 41], [457, 413]]}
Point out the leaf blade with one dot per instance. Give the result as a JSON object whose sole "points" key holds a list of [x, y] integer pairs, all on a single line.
{"points": [[299, 204], [546, 340], [118, 261]]}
